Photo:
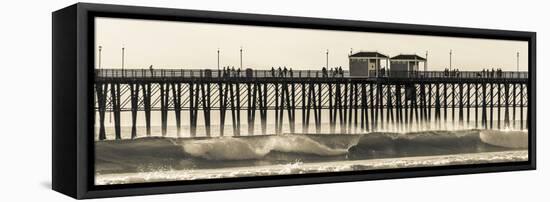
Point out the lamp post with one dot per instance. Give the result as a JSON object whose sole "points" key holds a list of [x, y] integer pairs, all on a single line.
{"points": [[327, 60], [122, 58], [241, 55], [99, 58], [218, 60], [517, 61], [450, 59]]}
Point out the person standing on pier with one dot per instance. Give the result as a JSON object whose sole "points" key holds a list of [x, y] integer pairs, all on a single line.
{"points": [[290, 72]]}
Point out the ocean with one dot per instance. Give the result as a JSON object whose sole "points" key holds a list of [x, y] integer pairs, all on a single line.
{"points": [[172, 158]]}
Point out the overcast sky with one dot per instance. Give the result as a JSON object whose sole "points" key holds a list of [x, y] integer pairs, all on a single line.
{"points": [[167, 44]]}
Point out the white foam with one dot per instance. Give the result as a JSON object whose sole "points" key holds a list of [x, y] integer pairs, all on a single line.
{"points": [[508, 138], [300, 168]]}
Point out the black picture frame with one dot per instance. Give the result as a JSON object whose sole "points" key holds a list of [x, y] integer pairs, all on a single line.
{"points": [[72, 83]]}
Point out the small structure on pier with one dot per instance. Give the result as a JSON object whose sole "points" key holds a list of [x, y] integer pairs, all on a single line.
{"points": [[366, 64], [405, 65]]}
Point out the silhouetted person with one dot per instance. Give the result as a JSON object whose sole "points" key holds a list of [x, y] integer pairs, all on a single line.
{"points": [[285, 70], [290, 72]]}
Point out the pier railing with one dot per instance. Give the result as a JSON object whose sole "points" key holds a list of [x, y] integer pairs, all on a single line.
{"points": [[248, 73]]}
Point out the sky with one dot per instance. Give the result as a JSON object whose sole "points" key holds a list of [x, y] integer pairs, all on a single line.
{"points": [[185, 45]]}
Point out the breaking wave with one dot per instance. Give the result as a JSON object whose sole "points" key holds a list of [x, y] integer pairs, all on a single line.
{"points": [[235, 148], [156, 153]]}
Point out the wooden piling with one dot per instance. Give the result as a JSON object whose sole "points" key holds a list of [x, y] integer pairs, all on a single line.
{"points": [[364, 108], [233, 108], [276, 97], [437, 106], [343, 125], [398, 107], [521, 106], [461, 105], [476, 106], [331, 108], [372, 108], [192, 103], [249, 121], [484, 108], [206, 100], [380, 103], [453, 102], [506, 106], [134, 90], [146, 92], [289, 100], [238, 107], [263, 107], [115, 103], [389, 107], [222, 91], [491, 105], [499, 104], [164, 90], [355, 106], [101, 91], [430, 105], [319, 98], [514, 103], [445, 104], [468, 103], [305, 111]]}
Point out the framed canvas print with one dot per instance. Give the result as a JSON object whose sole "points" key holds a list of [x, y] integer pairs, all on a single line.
{"points": [[154, 100]]}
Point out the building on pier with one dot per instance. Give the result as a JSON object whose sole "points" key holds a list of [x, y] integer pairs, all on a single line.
{"points": [[367, 64], [404, 65]]}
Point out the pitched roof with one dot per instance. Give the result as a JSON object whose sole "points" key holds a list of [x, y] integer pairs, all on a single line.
{"points": [[369, 55], [408, 57]]}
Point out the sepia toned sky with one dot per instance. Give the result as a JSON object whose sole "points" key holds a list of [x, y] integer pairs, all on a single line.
{"points": [[174, 45]]}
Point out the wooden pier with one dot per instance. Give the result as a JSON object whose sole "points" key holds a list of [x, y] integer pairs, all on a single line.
{"points": [[428, 99]]}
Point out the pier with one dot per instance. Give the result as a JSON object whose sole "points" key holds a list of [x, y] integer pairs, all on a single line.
{"points": [[489, 100]]}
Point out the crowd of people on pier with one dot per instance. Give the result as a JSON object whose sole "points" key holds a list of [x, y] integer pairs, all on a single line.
{"points": [[339, 72], [486, 73], [227, 71], [451, 73], [283, 72]]}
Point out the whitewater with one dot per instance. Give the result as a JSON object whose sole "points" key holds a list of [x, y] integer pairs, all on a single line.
{"points": [[154, 159]]}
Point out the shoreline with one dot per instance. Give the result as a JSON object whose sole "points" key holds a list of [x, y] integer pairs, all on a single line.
{"points": [[318, 167]]}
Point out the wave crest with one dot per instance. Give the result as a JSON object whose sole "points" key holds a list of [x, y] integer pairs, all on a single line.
{"points": [[242, 148]]}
